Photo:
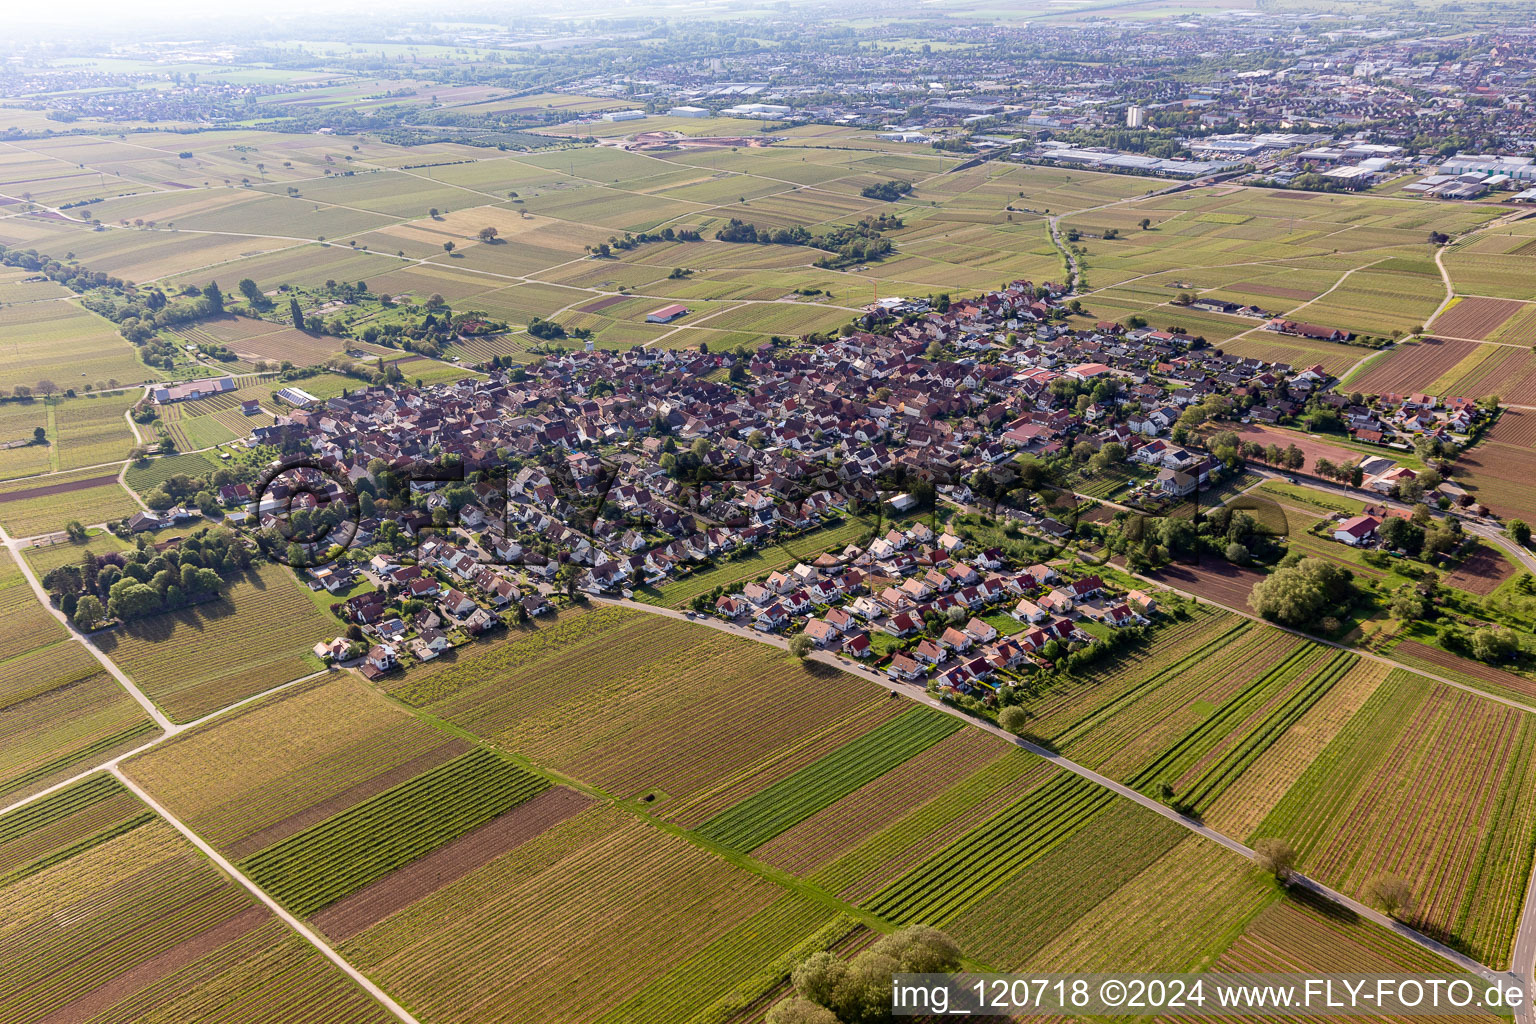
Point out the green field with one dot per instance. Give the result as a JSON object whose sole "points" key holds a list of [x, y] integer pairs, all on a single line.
{"points": [[322, 864]]}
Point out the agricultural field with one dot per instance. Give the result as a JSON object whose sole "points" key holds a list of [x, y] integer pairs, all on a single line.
{"points": [[1431, 785], [148, 474], [59, 709], [261, 339], [1500, 472], [1416, 366], [23, 456], [339, 856], [116, 917], [38, 505], [1191, 712], [601, 894], [268, 771], [1453, 666], [1304, 935], [636, 726], [62, 342], [60, 550], [257, 635], [1475, 317], [216, 420], [789, 801], [91, 430]]}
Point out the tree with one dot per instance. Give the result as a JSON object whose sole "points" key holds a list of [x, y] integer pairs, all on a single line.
{"points": [[1408, 605], [75, 530], [1393, 896], [1492, 645], [801, 646], [1013, 719], [296, 313], [1302, 593], [448, 247], [1238, 554], [88, 612], [214, 297], [800, 1011], [46, 387], [860, 990], [40, 436], [1275, 856], [488, 234], [1519, 532], [251, 292]]}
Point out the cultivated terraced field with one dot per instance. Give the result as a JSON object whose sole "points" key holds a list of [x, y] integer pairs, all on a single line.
{"points": [[107, 913], [255, 636], [1501, 471], [1433, 785], [649, 706]]}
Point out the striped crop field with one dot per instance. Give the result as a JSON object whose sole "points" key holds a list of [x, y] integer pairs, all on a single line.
{"points": [[736, 968], [1177, 914], [257, 635], [66, 823], [1433, 785], [760, 818], [843, 824], [988, 856], [876, 862], [1303, 934], [661, 707], [1007, 927], [59, 709], [1247, 802], [693, 813], [1212, 756], [268, 771], [1068, 710], [108, 914], [339, 856], [604, 899]]}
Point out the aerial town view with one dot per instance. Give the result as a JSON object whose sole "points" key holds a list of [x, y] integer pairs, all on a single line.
{"points": [[726, 512]]}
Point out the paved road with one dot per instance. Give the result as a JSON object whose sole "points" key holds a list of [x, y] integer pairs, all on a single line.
{"points": [[919, 694]]}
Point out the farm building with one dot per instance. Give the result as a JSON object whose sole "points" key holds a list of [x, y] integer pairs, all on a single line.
{"points": [[188, 390], [297, 397], [666, 314], [1356, 530]]}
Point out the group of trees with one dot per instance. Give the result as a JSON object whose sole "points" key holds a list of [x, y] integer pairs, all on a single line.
{"points": [[848, 243], [890, 191], [181, 488], [1306, 593], [1421, 535], [144, 581], [1491, 644], [831, 990]]}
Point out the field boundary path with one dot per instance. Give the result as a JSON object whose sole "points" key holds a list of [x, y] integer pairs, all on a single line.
{"points": [[271, 904], [916, 693], [13, 546]]}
